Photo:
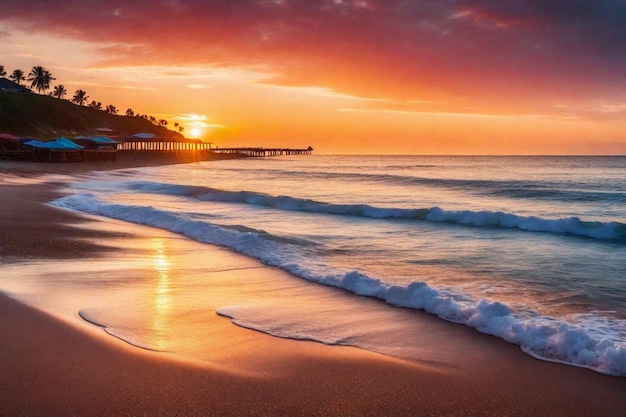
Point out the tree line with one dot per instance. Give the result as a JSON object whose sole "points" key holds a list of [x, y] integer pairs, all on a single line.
{"points": [[41, 79]]}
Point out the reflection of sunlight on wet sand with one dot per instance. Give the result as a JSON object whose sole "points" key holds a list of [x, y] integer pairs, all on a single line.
{"points": [[162, 300]]}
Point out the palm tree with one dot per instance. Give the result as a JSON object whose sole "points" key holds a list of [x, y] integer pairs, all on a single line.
{"points": [[162, 122], [95, 105], [181, 128], [17, 76], [153, 119], [59, 91], [80, 97], [2, 71], [40, 78], [111, 109], [130, 112]]}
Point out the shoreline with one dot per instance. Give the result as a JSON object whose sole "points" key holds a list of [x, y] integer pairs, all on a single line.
{"points": [[55, 368]]}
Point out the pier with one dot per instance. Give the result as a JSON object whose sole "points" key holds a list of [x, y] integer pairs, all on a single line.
{"points": [[194, 145], [137, 148], [263, 152], [161, 144]]}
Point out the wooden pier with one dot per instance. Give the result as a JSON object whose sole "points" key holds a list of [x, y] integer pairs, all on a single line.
{"points": [[162, 144], [263, 152], [195, 145], [139, 148]]}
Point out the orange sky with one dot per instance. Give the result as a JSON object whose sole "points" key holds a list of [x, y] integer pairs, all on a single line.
{"points": [[345, 76]]}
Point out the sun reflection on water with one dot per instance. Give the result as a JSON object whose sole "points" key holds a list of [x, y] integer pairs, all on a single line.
{"points": [[162, 296]]}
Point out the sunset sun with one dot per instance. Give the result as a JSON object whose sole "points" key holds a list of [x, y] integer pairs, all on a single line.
{"points": [[195, 132]]}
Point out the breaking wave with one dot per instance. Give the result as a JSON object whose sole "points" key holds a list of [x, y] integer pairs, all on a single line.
{"points": [[574, 226], [596, 347]]}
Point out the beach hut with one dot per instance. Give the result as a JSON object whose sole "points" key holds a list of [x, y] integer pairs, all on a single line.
{"points": [[98, 148], [57, 150], [64, 143], [11, 148], [97, 142]]}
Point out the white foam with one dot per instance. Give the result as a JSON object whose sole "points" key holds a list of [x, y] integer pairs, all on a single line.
{"points": [[540, 336], [570, 225], [563, 226]]}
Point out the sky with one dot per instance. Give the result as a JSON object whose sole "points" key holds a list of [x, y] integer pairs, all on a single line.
{"points": [[344, 76]]}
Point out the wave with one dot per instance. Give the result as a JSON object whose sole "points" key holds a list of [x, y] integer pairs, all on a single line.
{"points": [[561, 195], [541, 336], [515, 189], [574, 226], [92, 317]]}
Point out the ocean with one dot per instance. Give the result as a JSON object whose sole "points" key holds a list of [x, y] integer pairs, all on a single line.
{"points": [[531, 250]]}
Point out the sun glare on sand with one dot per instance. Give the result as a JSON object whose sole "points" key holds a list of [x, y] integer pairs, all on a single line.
{"points": [[195, 132]]}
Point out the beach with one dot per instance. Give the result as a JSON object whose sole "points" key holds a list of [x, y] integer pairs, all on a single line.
{"points": [[60, 365]]}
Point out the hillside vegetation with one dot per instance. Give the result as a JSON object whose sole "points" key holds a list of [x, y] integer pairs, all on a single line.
{"points": [[44, 117]]}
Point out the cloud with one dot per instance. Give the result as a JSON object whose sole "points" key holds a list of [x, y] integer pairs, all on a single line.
{"points": [[198, 86], [197, 120], [192, 117], [498, 54]]}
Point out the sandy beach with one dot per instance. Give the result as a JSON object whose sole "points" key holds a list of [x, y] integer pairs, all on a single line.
{"points": [[55, 366]]}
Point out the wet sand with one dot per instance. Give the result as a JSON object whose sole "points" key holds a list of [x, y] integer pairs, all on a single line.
{"points": [[52, 366]]}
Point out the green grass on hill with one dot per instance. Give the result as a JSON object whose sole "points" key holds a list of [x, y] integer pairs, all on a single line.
{"points": [[43, 117]]}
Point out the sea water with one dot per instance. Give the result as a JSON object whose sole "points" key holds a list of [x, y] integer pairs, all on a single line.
{"points": [[528, 249]]}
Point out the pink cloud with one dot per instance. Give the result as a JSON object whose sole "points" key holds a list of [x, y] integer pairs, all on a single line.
{"points": [[486, 53]]}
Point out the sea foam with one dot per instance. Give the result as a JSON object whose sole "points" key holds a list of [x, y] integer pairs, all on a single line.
{"points": [[540, 336], [574, 226]]}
